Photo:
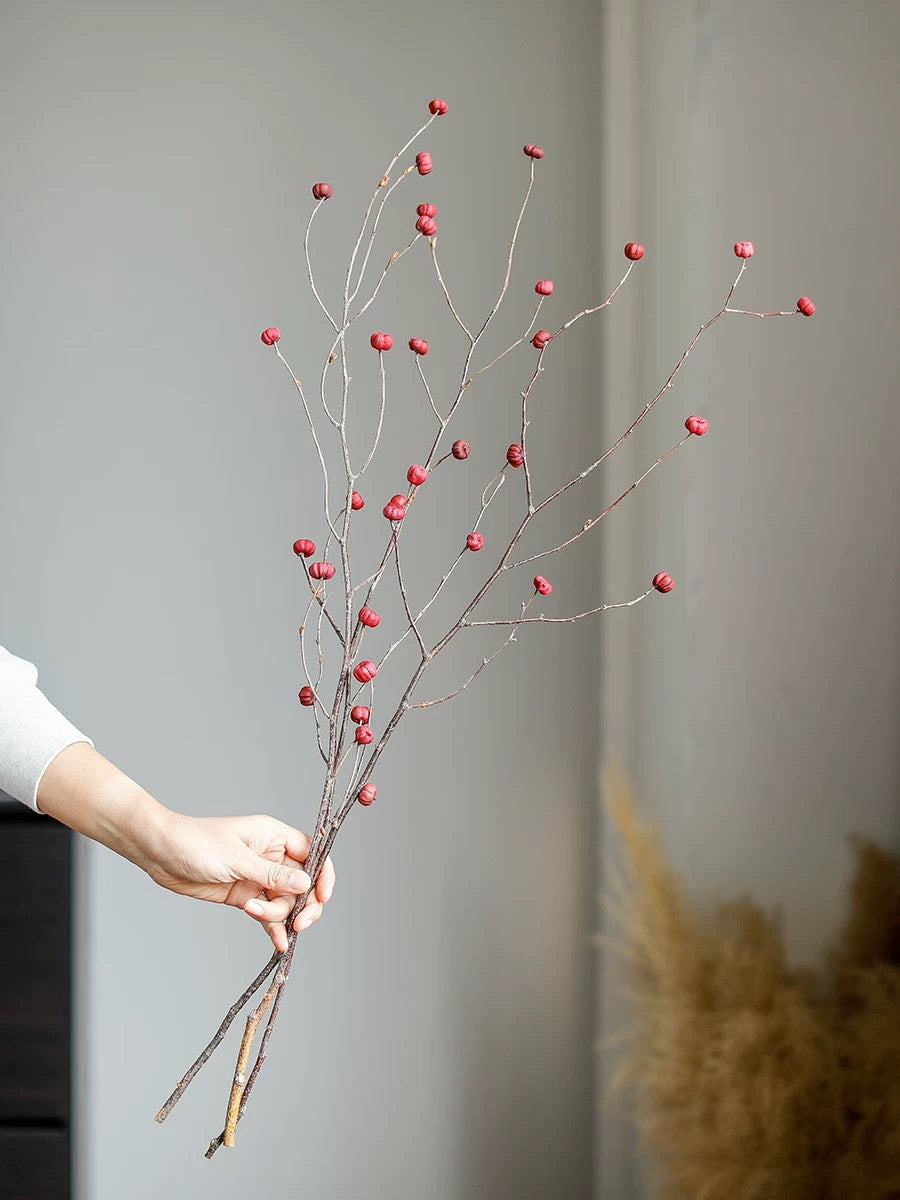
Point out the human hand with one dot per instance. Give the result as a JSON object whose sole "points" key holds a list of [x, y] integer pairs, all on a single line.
{"points": [[252, 863]]}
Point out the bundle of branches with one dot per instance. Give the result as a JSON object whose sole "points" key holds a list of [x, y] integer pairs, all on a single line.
{"points": [[339, 690], [753, 1080]]}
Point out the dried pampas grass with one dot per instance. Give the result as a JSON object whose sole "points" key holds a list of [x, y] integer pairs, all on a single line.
{"points": [[753, 1081]]}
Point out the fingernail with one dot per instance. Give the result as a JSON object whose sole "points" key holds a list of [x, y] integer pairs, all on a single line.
{"points": [[299, 881], [254, 907]]}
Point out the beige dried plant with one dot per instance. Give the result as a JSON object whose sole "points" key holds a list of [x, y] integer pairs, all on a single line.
{"points": [[754, 1081]]}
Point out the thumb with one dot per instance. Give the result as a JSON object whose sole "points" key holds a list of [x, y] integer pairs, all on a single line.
{"points": [[274, 877]]}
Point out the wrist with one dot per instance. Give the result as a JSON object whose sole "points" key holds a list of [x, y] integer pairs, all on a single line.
{"points": [[85, 791]]}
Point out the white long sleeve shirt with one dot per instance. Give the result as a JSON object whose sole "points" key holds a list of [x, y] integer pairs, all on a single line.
{"points": [[32, 731]]}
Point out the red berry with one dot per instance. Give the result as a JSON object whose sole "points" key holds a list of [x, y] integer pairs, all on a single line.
{"points": [[544, 287], [460, 449], [394, 512], [365, 671], [541, 338], [322, 191], [696, 425], [635, 251], [357, 502], [305, 547], [367, 794], [475, 541], [416, 475], [533, 151], [438, 107], [515, 455], [427, 210], [364, 735], [424, 165], [307, 696], [398, 499], [418, 345], [743, 249], [542, 585], [381, 341], [368, 616], [360, 713], [806, 306], [427, 226], [270, 336], [322, 570], [663, 582]]}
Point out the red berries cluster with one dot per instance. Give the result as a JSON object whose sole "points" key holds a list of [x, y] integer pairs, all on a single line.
{"points": [[426, 223], [634, 251], [365, 671], [395, 509], [696, 425], [322, 570], [322, 191], [418, 345], [381, 341]]}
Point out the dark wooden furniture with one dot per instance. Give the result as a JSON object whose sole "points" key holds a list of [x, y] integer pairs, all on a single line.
{"points": [[35, 1005]]}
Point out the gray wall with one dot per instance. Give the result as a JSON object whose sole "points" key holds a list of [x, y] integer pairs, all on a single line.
{"points": [[155, 470], [757, 706]]}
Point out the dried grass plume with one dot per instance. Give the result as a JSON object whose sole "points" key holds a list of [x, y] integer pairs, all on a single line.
{"points": [[754, 1081]]}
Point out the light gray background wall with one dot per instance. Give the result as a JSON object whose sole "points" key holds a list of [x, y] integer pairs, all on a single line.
{"points": [[757, 709], [157, 165]]}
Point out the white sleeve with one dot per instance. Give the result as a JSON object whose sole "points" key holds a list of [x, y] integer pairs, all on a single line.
{"points": [[32, 731]]}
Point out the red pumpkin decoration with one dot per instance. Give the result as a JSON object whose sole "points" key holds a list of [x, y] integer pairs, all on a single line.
{"points": [[696, 425], [322, 570]]}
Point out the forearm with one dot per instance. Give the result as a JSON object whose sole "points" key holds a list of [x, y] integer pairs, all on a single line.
{"points": [[87, 792]]}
